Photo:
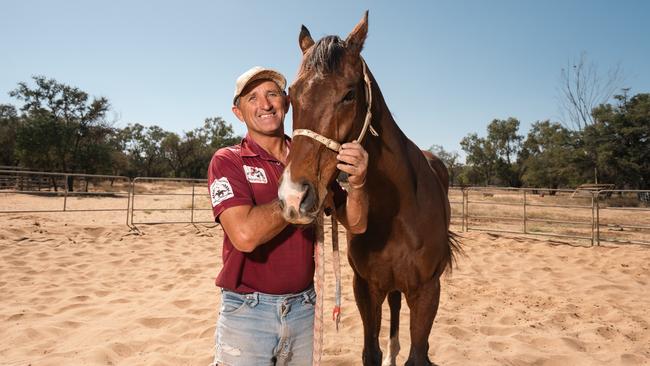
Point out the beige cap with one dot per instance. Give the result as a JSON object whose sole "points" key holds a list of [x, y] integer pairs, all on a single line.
{"points": [[258, 73]]}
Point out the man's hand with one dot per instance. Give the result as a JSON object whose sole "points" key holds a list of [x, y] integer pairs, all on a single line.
{"points": [[354, 161]]}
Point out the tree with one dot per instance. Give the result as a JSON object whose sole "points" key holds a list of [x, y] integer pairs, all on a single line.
{"points": [[451, 160], [143, 147], [502, 134], [492, 160], [218, 133], [154, 152], [9, 123], [582, 89], [481, 159], [62, 129], [547, 156], [620, 139], [190, 155]]}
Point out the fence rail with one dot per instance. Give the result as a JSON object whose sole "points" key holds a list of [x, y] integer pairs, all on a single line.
{"points": [[173, 187], [585, 216], [616, 216], [21, 182]]}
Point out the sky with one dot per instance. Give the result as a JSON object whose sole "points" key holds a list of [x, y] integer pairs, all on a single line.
{"points": [[446, 68]]}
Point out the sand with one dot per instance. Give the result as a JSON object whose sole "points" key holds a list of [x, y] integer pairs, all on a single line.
{"points": [[83, 289]]}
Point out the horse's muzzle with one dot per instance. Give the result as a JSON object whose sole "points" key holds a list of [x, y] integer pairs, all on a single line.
{"points": [[298, 201]]}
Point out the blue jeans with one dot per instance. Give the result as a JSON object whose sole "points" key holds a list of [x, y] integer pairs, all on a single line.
{"points": [[259, 329]]}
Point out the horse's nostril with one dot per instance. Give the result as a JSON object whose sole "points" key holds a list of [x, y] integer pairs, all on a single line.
{"points": [[308, 199], [292, 213], [282, 204]]}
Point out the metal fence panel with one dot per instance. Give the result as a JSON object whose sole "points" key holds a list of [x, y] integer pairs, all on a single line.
{"points": [[616, 216], [555, 212], [72, 191], [158, 198]]}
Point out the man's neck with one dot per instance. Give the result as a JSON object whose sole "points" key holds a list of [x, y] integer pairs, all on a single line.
{"points": [[275, 145]]}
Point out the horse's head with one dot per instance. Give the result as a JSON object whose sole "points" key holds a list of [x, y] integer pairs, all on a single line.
{"points": [[330, 100]]}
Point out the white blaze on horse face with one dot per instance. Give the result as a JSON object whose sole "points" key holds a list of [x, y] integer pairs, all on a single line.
{"points": [[291, 194]]}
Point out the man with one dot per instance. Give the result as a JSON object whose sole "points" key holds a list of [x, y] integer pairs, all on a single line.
{"points": [[267, 310]]}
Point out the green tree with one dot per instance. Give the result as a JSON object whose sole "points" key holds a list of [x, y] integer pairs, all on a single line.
{"points": [[547, 156], [154, 152], [9, 122], [481, 160], [190, 155], [144, 152], [218, 133], [451, 160], [492, 160], [620, 139], [62, 129], [502, 135]]}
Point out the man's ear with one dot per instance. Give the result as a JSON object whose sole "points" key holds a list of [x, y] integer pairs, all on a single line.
{"points": [[238, 113]]}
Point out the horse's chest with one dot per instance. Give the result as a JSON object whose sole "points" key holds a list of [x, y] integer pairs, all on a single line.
{"points": [[381, 265]]}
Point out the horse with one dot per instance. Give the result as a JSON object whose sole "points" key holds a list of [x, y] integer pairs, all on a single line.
{"points": [[407, 245], [439, 167]]}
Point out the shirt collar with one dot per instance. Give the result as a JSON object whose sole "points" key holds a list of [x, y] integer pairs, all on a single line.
{"points": [[250, 148]]}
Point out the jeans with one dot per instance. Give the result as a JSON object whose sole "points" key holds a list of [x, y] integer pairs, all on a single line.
{"points": [[259, 329]]}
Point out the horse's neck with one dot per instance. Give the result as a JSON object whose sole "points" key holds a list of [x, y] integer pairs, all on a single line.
{"points": [[391, 146]]}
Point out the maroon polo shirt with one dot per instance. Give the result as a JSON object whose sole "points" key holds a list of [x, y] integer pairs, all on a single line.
{"points": [[246, 174]]}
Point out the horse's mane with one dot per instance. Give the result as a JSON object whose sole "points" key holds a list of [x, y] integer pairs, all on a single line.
{"points": [[326, 55]]}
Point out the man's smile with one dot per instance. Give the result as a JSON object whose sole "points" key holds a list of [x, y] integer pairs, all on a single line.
{"points": [[267, 115]]}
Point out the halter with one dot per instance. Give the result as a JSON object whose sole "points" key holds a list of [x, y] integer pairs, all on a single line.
{"points": [[334, 145]]}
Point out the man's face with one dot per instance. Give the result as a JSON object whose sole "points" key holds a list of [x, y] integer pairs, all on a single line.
{"points": [[262, 106]]}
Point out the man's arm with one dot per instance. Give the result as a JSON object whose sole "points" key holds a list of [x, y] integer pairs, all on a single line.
{"points": [[354, 214], [251, 226]]}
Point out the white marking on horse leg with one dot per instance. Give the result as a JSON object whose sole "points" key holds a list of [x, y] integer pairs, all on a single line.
{"points": [[393, 350]]}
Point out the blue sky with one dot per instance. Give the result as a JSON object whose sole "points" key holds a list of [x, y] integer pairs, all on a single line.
{"points": [[446, 68]]}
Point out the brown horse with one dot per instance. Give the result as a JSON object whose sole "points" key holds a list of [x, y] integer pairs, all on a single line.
{"points": [[407, 245]]}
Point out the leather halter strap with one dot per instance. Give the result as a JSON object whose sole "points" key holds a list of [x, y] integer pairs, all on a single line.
{"points": [[334, 145]]}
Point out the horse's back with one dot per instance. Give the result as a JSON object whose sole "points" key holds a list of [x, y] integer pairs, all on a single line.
{"points": [[438, 167]]}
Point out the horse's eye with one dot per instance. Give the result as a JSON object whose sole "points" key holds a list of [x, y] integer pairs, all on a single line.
{"points": [[349, 96]]}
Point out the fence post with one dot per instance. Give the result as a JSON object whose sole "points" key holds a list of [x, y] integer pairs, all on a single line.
{"points": [[598, 218], [65, 192], [525, 227], [133, 198], [593, 218], [192, 212], [128, 200], [466, 209]]}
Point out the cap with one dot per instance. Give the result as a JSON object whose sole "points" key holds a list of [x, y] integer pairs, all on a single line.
{"points": [[258, 73]]}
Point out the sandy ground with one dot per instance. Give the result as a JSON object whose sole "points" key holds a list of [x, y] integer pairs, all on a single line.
{"points": [[82, 289]]}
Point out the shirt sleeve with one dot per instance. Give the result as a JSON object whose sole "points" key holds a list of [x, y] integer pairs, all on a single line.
{"points": [[227, 182]]}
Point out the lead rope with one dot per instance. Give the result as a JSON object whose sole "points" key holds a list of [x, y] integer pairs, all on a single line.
{"points": [[319, 273], [319, 260], [336, 262]]}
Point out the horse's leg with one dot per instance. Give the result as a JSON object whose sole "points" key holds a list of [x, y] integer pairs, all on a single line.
{"points": [[395, 303], [369, 304], [423, 304]]}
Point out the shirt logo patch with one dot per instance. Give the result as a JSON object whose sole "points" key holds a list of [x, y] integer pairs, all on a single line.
{"points": [[255, 174], [220, 190]]}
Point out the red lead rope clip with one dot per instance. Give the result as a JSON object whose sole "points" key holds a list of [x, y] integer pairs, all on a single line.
{"points": [[336, 316]]}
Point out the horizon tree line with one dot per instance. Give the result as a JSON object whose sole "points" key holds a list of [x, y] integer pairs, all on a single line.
{"points": [[61, 128]]}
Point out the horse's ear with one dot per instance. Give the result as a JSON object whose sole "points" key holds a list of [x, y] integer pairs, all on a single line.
{"points": [[357, 37], [304, 39]]}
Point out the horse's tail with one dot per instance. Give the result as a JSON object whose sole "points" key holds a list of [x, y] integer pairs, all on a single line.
{"points": [[455, 248]]}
